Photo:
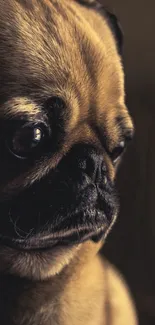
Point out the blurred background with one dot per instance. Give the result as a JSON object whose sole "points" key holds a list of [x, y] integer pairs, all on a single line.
{"points": [[131, 245]]}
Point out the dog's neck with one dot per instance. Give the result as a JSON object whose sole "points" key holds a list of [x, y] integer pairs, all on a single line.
{"points": [[72, 297]]}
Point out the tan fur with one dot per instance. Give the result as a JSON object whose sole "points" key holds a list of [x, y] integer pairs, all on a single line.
{"points": [[65, 286], [87, 291]]}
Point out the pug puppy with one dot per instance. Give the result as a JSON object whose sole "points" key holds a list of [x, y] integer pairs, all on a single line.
{"points": [[63, 129]]}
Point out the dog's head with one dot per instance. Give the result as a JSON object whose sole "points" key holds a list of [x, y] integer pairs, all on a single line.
{"points": [[63, 127]]}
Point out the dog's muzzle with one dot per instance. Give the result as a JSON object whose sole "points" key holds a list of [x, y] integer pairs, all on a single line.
{"points": [[71, 204]]}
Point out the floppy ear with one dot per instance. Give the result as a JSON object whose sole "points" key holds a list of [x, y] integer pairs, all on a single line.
{"points": [[87, 2], [112, 20], [116, 28]]}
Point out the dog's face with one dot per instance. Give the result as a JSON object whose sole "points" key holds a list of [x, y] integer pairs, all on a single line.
{"points": [[63, 124]]}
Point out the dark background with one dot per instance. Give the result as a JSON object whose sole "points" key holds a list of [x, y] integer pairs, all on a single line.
{"points": [[131, 245]]}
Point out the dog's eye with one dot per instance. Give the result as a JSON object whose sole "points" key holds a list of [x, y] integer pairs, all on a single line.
{"points": [[118, 151], [25, 140]]}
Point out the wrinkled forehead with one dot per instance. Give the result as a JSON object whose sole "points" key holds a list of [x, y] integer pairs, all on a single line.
{"points": [[54, 47]]}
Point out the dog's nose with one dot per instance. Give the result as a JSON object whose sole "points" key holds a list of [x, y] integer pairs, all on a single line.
{"points": [[89, 160], [94, 166]]}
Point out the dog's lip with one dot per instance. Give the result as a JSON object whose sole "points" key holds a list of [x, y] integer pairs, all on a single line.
{"points": [[50, 241], [65, 237], [31, 244]]}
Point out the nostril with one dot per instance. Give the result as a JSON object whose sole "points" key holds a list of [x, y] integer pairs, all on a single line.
{"points": [[100, 170], [105, 180], [103, 167]]}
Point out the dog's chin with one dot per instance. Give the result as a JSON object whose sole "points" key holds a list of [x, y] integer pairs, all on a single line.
{"points": [[28, 259], [36, 264]]}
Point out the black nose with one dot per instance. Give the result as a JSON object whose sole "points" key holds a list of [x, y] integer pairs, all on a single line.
{"points": [[89, 160]]}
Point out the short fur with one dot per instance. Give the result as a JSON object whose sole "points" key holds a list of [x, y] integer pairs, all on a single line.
{"points": [[61, 69]]}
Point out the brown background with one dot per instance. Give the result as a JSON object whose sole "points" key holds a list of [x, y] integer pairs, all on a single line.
{"points": [[131, 245]]}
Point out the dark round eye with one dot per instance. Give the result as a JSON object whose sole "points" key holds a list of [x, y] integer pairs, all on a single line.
{"points": [[118, 151], [25, 140]]}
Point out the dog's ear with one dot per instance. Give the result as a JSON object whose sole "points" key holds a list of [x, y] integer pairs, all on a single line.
{"points": [[116, 29], [112, 19], [87, 2]]}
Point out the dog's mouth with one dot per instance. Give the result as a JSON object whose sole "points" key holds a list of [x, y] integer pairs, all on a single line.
{"points": [[88, 224], [90, 220], [47, 242]]}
